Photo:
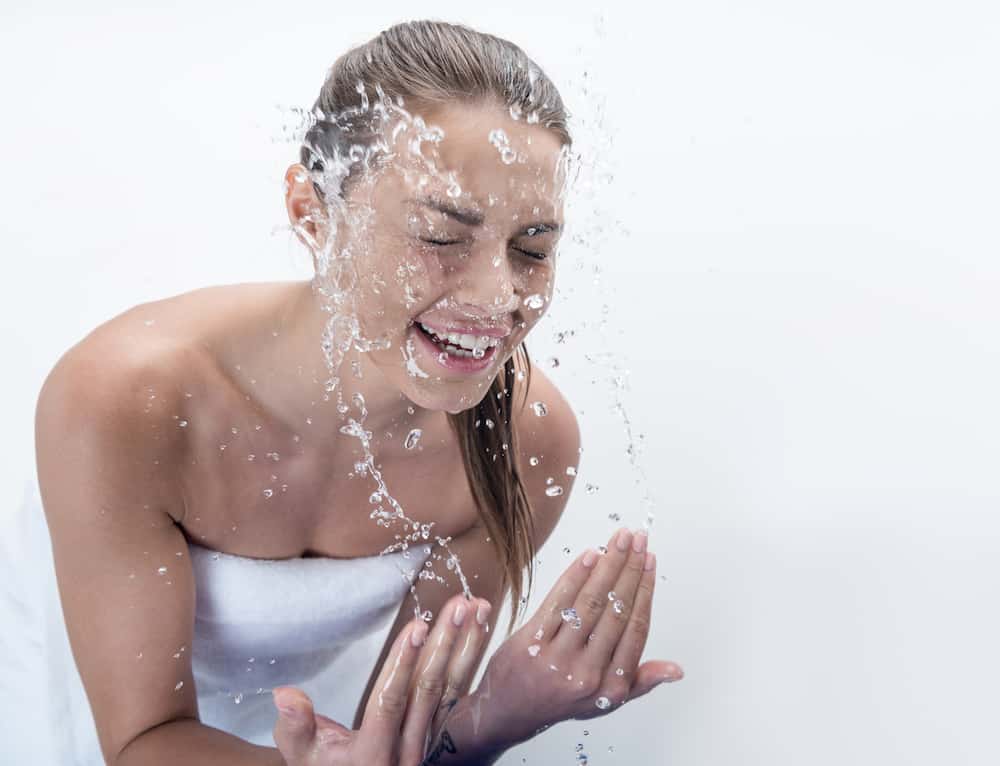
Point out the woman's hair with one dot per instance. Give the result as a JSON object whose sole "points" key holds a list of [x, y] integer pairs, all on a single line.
{"points": [[426, 64]]}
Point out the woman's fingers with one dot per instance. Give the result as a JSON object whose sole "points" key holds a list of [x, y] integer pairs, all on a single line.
{"points": [[430, 678], [295, 729], [620, 604], [465, 658], [592, 598], [630, 646], [387, 702], [547, 619]]}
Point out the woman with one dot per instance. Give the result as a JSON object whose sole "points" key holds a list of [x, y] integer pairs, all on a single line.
{"points": [[209, 463]]}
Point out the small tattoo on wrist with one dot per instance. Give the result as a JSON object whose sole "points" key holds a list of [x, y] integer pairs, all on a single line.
{"points": [[445, 745]]}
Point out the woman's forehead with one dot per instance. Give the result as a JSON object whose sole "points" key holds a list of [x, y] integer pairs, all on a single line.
{"points": [[483, 155]]}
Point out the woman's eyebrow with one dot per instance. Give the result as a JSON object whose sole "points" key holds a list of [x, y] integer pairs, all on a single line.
{"points": [[473, 217], [468, 216]]}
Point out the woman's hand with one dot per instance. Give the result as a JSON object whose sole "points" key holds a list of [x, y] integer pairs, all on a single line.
{"points": [[418, 674], [578, 656]]}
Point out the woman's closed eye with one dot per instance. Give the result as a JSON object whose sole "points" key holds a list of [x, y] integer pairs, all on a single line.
{"points": [[444, 242]]}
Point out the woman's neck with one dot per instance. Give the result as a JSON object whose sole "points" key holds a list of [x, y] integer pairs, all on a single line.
{"points": [[282, 361]]}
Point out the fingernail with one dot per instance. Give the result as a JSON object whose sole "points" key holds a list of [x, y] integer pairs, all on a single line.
{"points": [[418, 634], [458, 616], [589, 558], [677, 675], [650, 561], [285, 708], [639, 542], [482, 613], [624, 538]]}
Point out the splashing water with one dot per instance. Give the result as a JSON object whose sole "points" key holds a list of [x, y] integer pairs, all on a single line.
{"points": [[412, 438], [336, 277], [571, 618]]}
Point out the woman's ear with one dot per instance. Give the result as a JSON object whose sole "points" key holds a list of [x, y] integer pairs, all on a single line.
{"points": [[304, 207]]}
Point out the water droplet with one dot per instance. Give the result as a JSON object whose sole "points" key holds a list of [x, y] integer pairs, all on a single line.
{"points": [[570, 470], [268, 492], [620, 671], [179, 685], [534, 301], [534, 649], [566, 550], [161, 570], [182, 423], [603, 703], [592, 488], [554, 490], [571, 618], [618, 606], [533, 460], [412, 438], [235, 430], [540, 409], [538, 634]]}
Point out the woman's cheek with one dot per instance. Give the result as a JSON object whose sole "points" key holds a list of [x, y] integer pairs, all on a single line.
{"points": [[424, 274]]}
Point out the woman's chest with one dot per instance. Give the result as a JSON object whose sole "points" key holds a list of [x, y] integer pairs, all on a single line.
{"points": [[286, 500]]}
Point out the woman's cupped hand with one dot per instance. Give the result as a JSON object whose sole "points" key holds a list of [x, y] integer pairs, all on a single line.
{"points": [[579, 655], [424, 667]]}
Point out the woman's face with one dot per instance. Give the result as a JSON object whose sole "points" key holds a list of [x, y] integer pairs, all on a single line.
{"points": [[455, 246]]}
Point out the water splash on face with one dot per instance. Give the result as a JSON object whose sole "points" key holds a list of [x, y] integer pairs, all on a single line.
{"points": [[498, 138]]}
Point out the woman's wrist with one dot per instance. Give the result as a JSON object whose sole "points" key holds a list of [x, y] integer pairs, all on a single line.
{"points": [[471, 734]]}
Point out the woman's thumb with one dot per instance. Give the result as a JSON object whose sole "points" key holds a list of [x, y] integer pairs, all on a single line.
{"points": [[296, 725], [651, 674]]}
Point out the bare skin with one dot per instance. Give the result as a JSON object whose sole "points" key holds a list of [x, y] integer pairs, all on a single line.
{"points": [[145, 431], [201, 418]]}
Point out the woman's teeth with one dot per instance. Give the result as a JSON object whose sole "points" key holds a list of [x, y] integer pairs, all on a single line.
{"points": [[461, 344]]}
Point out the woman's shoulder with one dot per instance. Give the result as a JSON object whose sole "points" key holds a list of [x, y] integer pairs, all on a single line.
{"points": [[133, 372], [166, 342], [124, 356]]}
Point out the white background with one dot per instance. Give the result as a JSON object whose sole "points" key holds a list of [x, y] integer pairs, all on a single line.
{"points": [[803, 285]]}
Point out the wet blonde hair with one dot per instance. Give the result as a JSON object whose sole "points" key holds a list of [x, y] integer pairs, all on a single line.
{"points": [[428, 64]]}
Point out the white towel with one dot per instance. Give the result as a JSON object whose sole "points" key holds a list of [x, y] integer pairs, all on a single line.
{"points": [[315, 623]]}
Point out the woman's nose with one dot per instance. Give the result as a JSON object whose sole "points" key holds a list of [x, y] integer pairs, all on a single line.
{"points": [[488, 281]]}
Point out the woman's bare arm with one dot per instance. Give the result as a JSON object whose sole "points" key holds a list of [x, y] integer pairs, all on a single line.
{"points": [[107, 447]]}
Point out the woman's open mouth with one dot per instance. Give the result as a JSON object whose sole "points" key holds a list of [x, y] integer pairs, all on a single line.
{"points": [[459, 353]]}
